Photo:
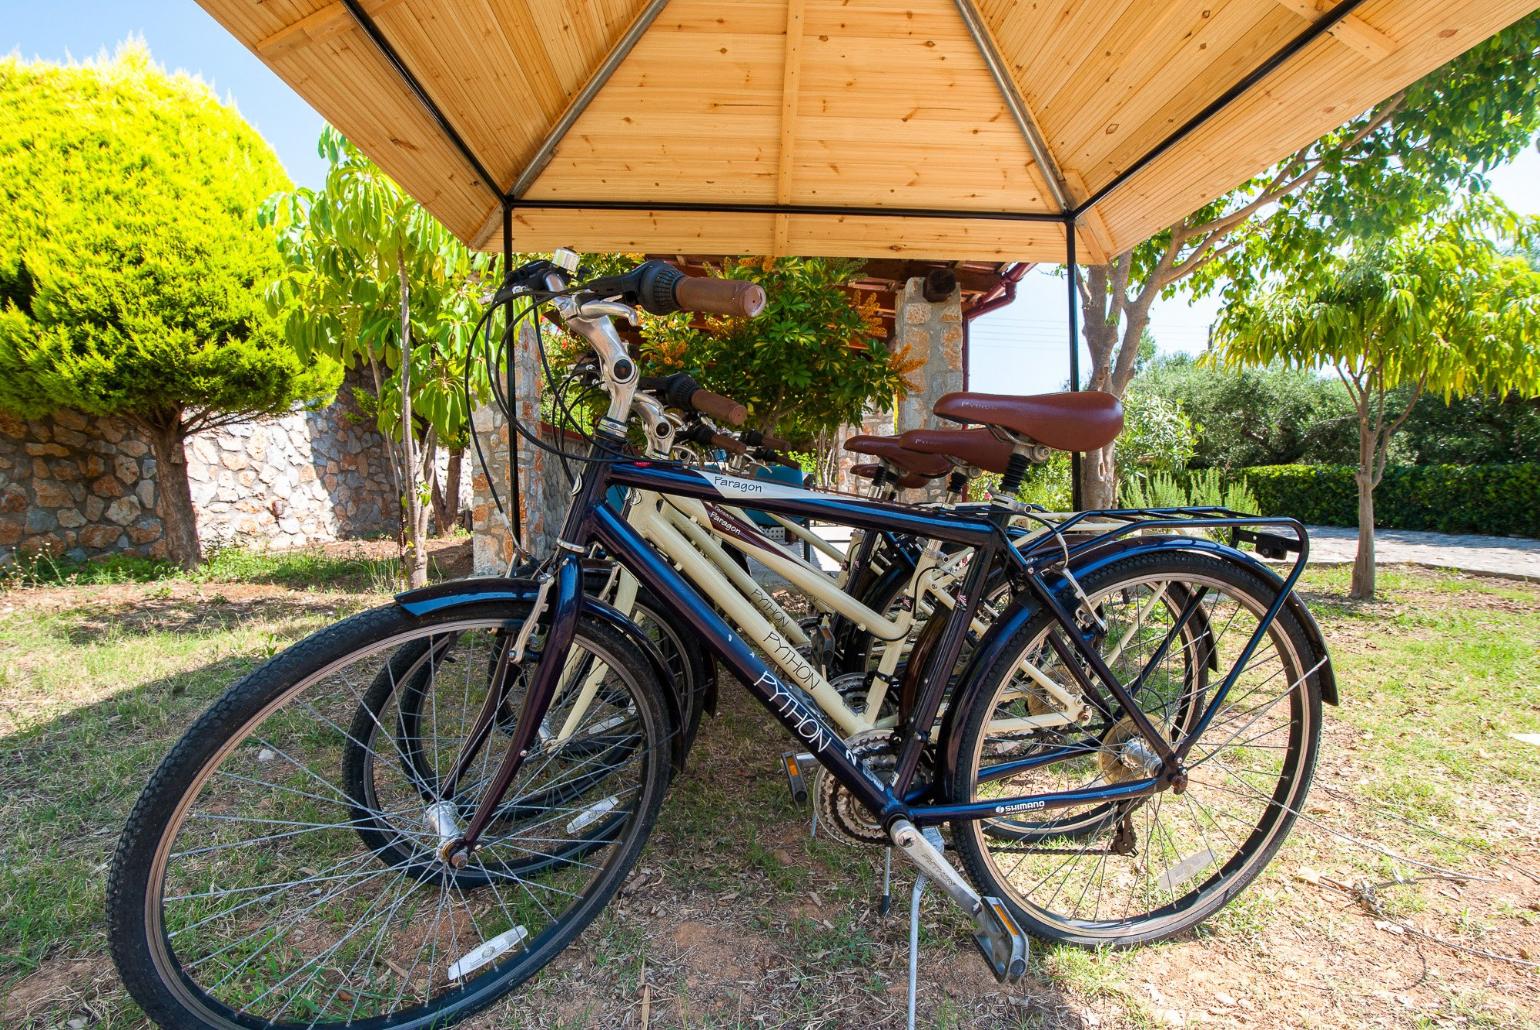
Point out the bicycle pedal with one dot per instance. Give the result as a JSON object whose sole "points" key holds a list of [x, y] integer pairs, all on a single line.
{"points": [[792, 764], [1002, 943]]}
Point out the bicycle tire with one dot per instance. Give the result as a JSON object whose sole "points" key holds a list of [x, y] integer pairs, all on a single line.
{"points": [[1185, 856], [166, 979]]}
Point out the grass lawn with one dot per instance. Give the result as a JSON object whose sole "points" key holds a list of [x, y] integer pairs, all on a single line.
{"points": [[735, 917]]}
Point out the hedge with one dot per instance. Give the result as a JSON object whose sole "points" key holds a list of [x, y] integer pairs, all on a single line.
{"points": [[1499, 499]]}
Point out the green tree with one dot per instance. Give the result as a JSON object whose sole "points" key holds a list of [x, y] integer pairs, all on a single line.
{"points": [[1437, 308], [369, 276], [812, 362], [1272, 415], [1482, 429], [1158, 436], [131, 264], [1388, 167]]}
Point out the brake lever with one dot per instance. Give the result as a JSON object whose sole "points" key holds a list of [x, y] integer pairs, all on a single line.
{"points": [[607, 308]]}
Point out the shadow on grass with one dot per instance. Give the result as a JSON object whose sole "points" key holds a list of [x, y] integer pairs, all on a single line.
{"points": [[314, 568], [197, 615], [66, 787]]}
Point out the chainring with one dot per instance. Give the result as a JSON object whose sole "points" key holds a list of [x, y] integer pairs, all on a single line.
{"points": [[845, 818]]}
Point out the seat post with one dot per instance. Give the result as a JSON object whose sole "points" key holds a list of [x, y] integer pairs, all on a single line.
{"points": [[1015, 470]]}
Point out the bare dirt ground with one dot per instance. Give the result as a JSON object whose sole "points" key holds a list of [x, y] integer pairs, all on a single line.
{"points": [[759, 925]]}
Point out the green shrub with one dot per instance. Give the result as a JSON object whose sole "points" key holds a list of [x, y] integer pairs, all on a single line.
{"points": [[1497, 499], [1203, 488]]}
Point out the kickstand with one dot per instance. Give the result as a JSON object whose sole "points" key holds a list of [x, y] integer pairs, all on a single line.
{"points": [[886, 905], [914, 940]]}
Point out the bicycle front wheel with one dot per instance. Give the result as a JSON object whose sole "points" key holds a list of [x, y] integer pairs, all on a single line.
{"points": [[1137, 871], [263, 881]]}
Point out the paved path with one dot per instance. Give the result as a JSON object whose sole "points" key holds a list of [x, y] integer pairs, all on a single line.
{"points": [[1511, 556]]}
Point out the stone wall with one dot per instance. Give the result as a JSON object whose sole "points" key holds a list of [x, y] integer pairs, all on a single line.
{"points": [[75, 486], [83, 487], [933, 330], [309, 477]]}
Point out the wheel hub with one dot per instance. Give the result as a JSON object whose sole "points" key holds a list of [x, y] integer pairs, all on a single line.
{"points": [[1125, 754]]}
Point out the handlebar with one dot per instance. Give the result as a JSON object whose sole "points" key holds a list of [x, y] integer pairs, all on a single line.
{"points": [[718, 407], [754, 438], [708, 437], [662, 289], [682, 391], [719, 296], [654, 286]]}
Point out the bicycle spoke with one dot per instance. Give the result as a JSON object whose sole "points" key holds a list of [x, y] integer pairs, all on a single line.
{"points": [[1103, 871], [308, 889]]}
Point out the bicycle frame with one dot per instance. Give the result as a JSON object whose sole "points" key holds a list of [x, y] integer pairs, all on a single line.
{"points": [[590, 521], [686, 529], [1044, 577]]}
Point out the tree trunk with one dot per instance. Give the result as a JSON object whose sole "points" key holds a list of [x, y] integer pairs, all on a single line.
{"points": [[427, 464], [1362, 586], [412, 499], [1099, 478], [1114, 322], [445, 496], [173, 495], [452, 477]]}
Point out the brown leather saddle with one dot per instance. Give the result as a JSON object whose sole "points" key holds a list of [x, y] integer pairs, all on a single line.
{"points": [[887, 449], [1084, 421], [907, 481], [980, 448]]}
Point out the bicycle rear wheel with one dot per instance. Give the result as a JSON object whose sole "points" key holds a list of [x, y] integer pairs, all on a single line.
{"points": [[257, 886], [1125, 873]]}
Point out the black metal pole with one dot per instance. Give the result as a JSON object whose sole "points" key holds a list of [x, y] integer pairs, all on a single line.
{"points": [[1072, 270], [415, 86], [513, 383]]}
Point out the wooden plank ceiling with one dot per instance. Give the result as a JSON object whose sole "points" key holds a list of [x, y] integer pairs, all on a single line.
{"points": [[839, 103]]}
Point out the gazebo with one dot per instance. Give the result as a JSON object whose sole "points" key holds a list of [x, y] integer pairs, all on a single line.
{"points": [[980, 130]]}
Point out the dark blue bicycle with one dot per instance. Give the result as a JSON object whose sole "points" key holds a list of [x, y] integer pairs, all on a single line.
{"points": [[403, 817]]}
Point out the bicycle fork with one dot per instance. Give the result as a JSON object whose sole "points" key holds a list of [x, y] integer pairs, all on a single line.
{"points": [[564, 594]]}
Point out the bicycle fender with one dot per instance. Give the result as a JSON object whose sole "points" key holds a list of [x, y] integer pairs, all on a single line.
{"points": [[465, 592]]}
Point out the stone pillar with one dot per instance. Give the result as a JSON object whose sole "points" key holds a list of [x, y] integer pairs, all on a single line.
{"points": [[492, 545], [932, 330]]}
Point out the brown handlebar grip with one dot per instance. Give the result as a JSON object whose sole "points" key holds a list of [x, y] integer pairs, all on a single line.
{"points": [[719, 296], [727, 443], [724, 409], [775, 443]]}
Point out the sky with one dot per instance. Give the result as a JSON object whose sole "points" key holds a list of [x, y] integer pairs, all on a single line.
{"points": [[180, 36], [1019, 349]]}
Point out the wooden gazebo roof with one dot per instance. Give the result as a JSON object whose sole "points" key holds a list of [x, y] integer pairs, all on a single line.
{"points": [[956, 129]]}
